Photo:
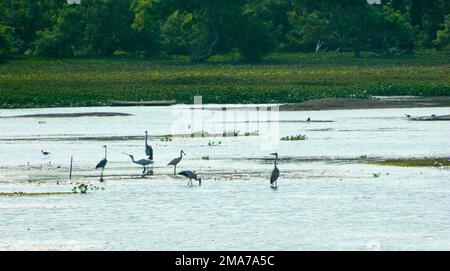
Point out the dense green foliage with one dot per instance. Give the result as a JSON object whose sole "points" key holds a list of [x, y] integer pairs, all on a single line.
{"points": [[202, 28], [443, 36], [101, 50], [5, 42], [280, 77]]}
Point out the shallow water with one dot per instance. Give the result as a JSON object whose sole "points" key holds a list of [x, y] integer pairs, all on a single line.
{"points": [[327, 198]]}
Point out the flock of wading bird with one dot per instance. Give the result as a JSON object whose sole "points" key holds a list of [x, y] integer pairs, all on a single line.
{"points": [[191, 175]]}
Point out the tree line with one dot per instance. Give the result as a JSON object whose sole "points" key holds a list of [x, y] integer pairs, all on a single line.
{"points": [[201, 28]]}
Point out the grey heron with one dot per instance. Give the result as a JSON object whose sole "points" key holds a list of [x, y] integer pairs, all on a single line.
{"points": [[148, 148], [275, 173], [142, 162], [102, 164], [192, 176], [45, 152], [175, 162]]}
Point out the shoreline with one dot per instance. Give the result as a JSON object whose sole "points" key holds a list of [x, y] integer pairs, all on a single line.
{"points": [[69, 115], [380, 102], [288, 78], [377, 102]]}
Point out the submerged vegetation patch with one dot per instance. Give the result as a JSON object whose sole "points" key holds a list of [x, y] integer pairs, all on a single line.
{"points": [[34, 194], [166, 138], [83, 188], [294, 138], [214, 143], [426, 162]]}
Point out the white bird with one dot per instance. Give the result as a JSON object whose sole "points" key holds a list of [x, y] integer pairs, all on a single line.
{"points": [[192, 176], [142, 162], [175, 162], [102, 164], [275, 173]]}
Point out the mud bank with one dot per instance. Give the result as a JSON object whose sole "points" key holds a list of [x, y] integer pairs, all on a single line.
{"points": [[373, 103], [72, 115], [162, 138], [425, 162], [432, 118], [376, 102], [28, 194]]}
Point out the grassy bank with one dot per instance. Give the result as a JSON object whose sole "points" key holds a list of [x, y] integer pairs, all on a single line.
{"points": [[282, 78]]}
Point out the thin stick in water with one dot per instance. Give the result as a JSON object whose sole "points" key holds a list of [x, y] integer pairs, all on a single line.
{"points": [[71, 163]]}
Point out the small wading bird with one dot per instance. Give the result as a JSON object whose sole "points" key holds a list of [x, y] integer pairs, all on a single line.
{"points": [[407, 115], [102, 164], [148, 148], [142, 162], [45, 152], [175, 162], [275, 173], [192, 176]]}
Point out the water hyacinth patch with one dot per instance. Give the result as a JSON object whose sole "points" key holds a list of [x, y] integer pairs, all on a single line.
{"points": [[280, 78], [83, 188], [294, 138]]}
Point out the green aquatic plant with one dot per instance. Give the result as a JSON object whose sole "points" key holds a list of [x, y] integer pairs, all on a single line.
{"points": [[425, 162], [278, 79], [294, 138], [213, 143], [166, 139], [83, 188]]}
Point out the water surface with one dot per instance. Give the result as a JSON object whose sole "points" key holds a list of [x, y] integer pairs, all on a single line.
{"points": [[327, 200]]}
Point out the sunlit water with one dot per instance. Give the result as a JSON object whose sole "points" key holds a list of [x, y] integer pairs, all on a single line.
{"points": [[327, 198]]}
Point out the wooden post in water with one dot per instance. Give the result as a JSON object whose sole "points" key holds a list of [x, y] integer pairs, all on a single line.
{"points": [[71, 163]]}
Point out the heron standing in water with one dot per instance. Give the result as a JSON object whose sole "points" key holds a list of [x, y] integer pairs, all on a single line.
{"points": [[175, 162], [102, 164], [275, 173], [148, 148], [142, 162], [192, 176]]}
